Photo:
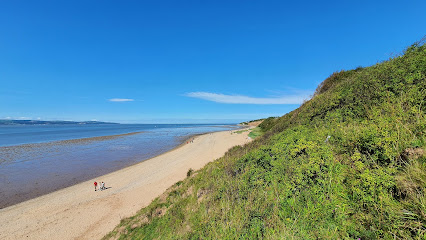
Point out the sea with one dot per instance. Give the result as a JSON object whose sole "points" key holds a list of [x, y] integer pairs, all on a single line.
{"points": [[38, 159]]}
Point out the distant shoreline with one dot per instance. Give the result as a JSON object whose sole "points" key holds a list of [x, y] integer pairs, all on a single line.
{"points": [[16, 135], [12, 122], [72, 141]]}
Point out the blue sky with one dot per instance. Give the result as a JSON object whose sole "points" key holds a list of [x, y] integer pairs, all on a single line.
{"points": [[187, 61]]}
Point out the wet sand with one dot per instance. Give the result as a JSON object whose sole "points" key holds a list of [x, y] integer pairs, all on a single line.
{"points": [[19, 181], [78, 212], [70, 141]]}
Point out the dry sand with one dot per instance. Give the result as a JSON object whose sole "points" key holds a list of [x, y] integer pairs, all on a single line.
{"points": [[78, 212]]}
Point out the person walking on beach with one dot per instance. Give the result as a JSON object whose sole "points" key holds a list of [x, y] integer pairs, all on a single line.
{"points": [[96, 184], [102, 185]]}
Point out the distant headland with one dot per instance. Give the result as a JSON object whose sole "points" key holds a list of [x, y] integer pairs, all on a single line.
{"points": [[39, 122]]}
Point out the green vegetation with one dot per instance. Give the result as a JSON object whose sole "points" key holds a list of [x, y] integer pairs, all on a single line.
{"points": [[256, 132], [268, 123], [349, 163], [189, 173], [241, 131]]}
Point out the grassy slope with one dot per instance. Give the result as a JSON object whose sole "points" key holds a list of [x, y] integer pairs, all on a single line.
{"points": [[366, 181], [255, 132]]}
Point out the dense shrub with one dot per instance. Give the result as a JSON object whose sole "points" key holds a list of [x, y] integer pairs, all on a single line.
{"points": [[267, 124]]}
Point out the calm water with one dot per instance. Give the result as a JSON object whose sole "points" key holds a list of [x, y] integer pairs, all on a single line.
{"points": [[23, 134], [35, 160]]}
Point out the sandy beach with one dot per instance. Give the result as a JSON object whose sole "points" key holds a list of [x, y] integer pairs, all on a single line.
{"points": [[79, 212]]}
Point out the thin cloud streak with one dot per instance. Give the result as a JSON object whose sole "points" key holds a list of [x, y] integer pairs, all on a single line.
{"points": [[121, 100], [240, 99]]}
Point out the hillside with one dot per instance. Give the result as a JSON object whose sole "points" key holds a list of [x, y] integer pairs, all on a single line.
{"points": [[349, 163]]}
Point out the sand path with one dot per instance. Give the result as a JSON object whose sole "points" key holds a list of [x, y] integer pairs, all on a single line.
{"points": [[78, 212]]}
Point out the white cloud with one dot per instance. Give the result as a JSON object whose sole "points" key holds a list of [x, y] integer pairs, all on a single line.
{"points": [[121, 100], [240, 99]]}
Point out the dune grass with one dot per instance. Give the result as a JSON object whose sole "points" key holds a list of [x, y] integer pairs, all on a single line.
{"points": [[241, 131], [255, 132]]}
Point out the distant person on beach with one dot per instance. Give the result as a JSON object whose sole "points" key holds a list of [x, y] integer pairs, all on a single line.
{"points": [[103, 185], [96, 184]]}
